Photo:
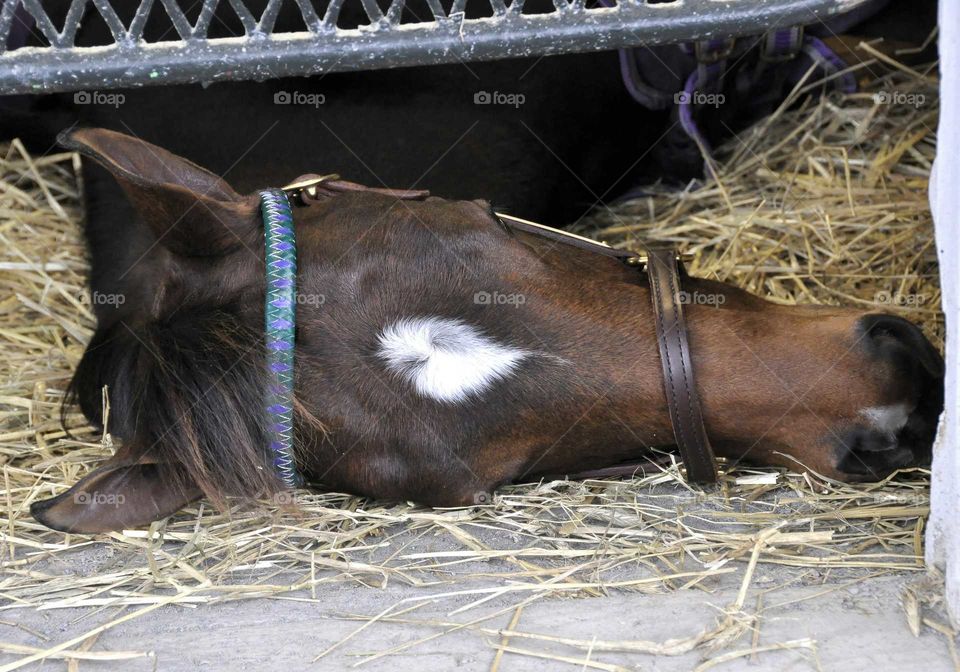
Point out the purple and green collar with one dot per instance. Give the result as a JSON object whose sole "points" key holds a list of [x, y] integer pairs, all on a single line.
{"points": [[280, 327]]}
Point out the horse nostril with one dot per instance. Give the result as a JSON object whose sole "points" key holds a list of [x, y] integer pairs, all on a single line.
{"points": [[897, 339]]}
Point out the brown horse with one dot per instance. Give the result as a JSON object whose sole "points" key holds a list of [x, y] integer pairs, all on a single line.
{"points": [[439, 354]]}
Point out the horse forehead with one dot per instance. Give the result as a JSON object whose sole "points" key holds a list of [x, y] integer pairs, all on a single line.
{"points": [[356, 232], [367, 210]]}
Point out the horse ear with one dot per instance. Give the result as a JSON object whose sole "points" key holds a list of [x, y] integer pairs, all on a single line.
{"points": [[117, 496], [191, 211]]}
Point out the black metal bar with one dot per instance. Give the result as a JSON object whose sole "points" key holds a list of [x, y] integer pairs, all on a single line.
{"points": [[75, 17], [246, 18], [507, 34], [310, 18], [6, 20], [178, 19]]}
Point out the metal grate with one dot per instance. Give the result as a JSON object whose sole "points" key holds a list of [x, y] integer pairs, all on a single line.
{"points": [[341, 35]]}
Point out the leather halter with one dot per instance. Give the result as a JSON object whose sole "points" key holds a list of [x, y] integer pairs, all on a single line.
{"points": [[664, 270]]}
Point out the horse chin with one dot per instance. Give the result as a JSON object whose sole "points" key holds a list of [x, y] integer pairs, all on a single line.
{"points": [[868, 455], [856, 455], [858, 466]]}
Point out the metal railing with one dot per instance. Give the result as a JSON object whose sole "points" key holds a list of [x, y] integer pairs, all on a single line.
{"points": [[382, 38]]}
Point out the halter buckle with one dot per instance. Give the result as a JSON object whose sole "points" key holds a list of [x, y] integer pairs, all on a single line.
{"points": [[724, 467], [309, 186], [640, 259]]}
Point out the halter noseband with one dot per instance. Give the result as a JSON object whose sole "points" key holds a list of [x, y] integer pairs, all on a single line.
{"points": [[664, 270]]}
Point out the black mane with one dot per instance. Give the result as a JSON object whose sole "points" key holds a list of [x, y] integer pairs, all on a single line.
{"points": [[187, 389]]}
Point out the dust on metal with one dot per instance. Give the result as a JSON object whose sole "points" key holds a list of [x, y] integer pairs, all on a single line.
{"points": [[396, 37]]}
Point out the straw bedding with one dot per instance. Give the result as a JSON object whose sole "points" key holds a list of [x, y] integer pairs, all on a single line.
{"points": [[825, 203]]}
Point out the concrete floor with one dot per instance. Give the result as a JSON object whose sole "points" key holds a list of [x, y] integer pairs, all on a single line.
{"points": [[858, 626]]}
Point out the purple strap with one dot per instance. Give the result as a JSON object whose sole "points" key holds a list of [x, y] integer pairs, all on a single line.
{"points": [[686, 105], [786, 54], [782, 45], [708, 77], [829, 62], [648, 96]]}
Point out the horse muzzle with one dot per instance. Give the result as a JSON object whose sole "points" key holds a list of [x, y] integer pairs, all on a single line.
{"points": [[896, 435]]}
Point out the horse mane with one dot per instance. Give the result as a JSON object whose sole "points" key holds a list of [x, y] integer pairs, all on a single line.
{"points": [[186, 389]]}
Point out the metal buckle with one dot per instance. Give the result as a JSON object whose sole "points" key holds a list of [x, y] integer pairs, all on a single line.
{"points": [[709, 57], [295, 189], [723, 467], [640, 259]]}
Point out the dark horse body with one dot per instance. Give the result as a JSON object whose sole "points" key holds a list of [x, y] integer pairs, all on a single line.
{"points": [[440, 354]]}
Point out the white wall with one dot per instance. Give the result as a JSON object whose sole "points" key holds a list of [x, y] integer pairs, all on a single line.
{"points": [[943, 533]]}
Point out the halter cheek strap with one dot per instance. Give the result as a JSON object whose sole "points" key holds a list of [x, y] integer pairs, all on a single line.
{"points": [[663, 271], [280, 327]]}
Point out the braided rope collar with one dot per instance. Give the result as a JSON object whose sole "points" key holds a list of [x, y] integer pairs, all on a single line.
{"points": [[280, 325]]}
